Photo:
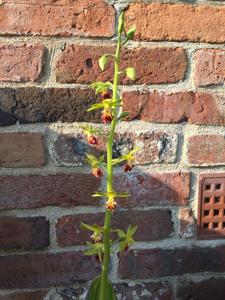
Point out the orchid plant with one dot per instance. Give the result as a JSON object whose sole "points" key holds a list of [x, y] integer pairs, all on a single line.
{"points": [[111, 105]]}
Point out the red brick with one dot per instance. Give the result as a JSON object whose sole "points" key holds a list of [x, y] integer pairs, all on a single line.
{"points": [[158, 262], [155, 147], [24, 233], [210, 150], [153, 188], [22, 149], [37, 295], [209, 67], [187, 223], [79, 64], [157, 21], [45, 270], [207, 109], [157, 107], [164, 107], [33, 104], [69, 232], [21, 63], [31, 191], [210, 289], [58, 20], [145, 291]]}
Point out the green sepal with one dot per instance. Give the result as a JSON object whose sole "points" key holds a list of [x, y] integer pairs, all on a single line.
{"points": [[123, 115], [94, 290], [94, 228], [100, 86], [126, 238], [94, 249], [107, 103]]}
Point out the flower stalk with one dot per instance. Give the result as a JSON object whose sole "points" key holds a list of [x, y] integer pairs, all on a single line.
{"points": [[110, 104]]}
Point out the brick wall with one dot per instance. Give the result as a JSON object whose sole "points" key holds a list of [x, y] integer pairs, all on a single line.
{"points": [[49, 52]]}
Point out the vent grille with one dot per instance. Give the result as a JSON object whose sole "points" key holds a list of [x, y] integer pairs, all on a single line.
{"points": [[211, 206]]}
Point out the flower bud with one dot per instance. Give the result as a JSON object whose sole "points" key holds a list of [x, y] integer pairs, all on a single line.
{"points": [[92, 140], [107, 116], [97, 172], [105, 95], [127, 167], [126, 248]]}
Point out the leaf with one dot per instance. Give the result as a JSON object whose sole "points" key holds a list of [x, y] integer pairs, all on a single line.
{"points": [[94, 290], [103, 61], [130, 72], [130, 32], [111, 295]]}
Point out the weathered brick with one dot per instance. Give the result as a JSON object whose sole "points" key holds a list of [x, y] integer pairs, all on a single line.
{"points": [[187, 224], [21, 63], [7, 104], [142, 264], [157, 21], [210, 150], [155, 147], [79, 63], [145, 291], [22, 149], [67, 293], [49, 18], [128, 291], [209, 67], [69, 231], [30, 105], [210, 289], [45, 270], [37, 295], [24, 233], [153, 188], [28, 191], [164, 107], [6, 119]]}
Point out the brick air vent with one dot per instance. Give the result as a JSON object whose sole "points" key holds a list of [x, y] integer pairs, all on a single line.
{"points": [[211, 206]]}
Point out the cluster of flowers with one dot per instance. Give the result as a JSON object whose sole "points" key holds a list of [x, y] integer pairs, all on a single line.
{"points": [[98, 164]]}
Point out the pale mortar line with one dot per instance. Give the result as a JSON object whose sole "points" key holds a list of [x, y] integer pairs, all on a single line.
{"points": [[56, 212], [195, 277], [196, 2], [166, 244]]}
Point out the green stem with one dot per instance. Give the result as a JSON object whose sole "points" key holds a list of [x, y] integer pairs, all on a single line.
{"points": [[108, 214]]}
